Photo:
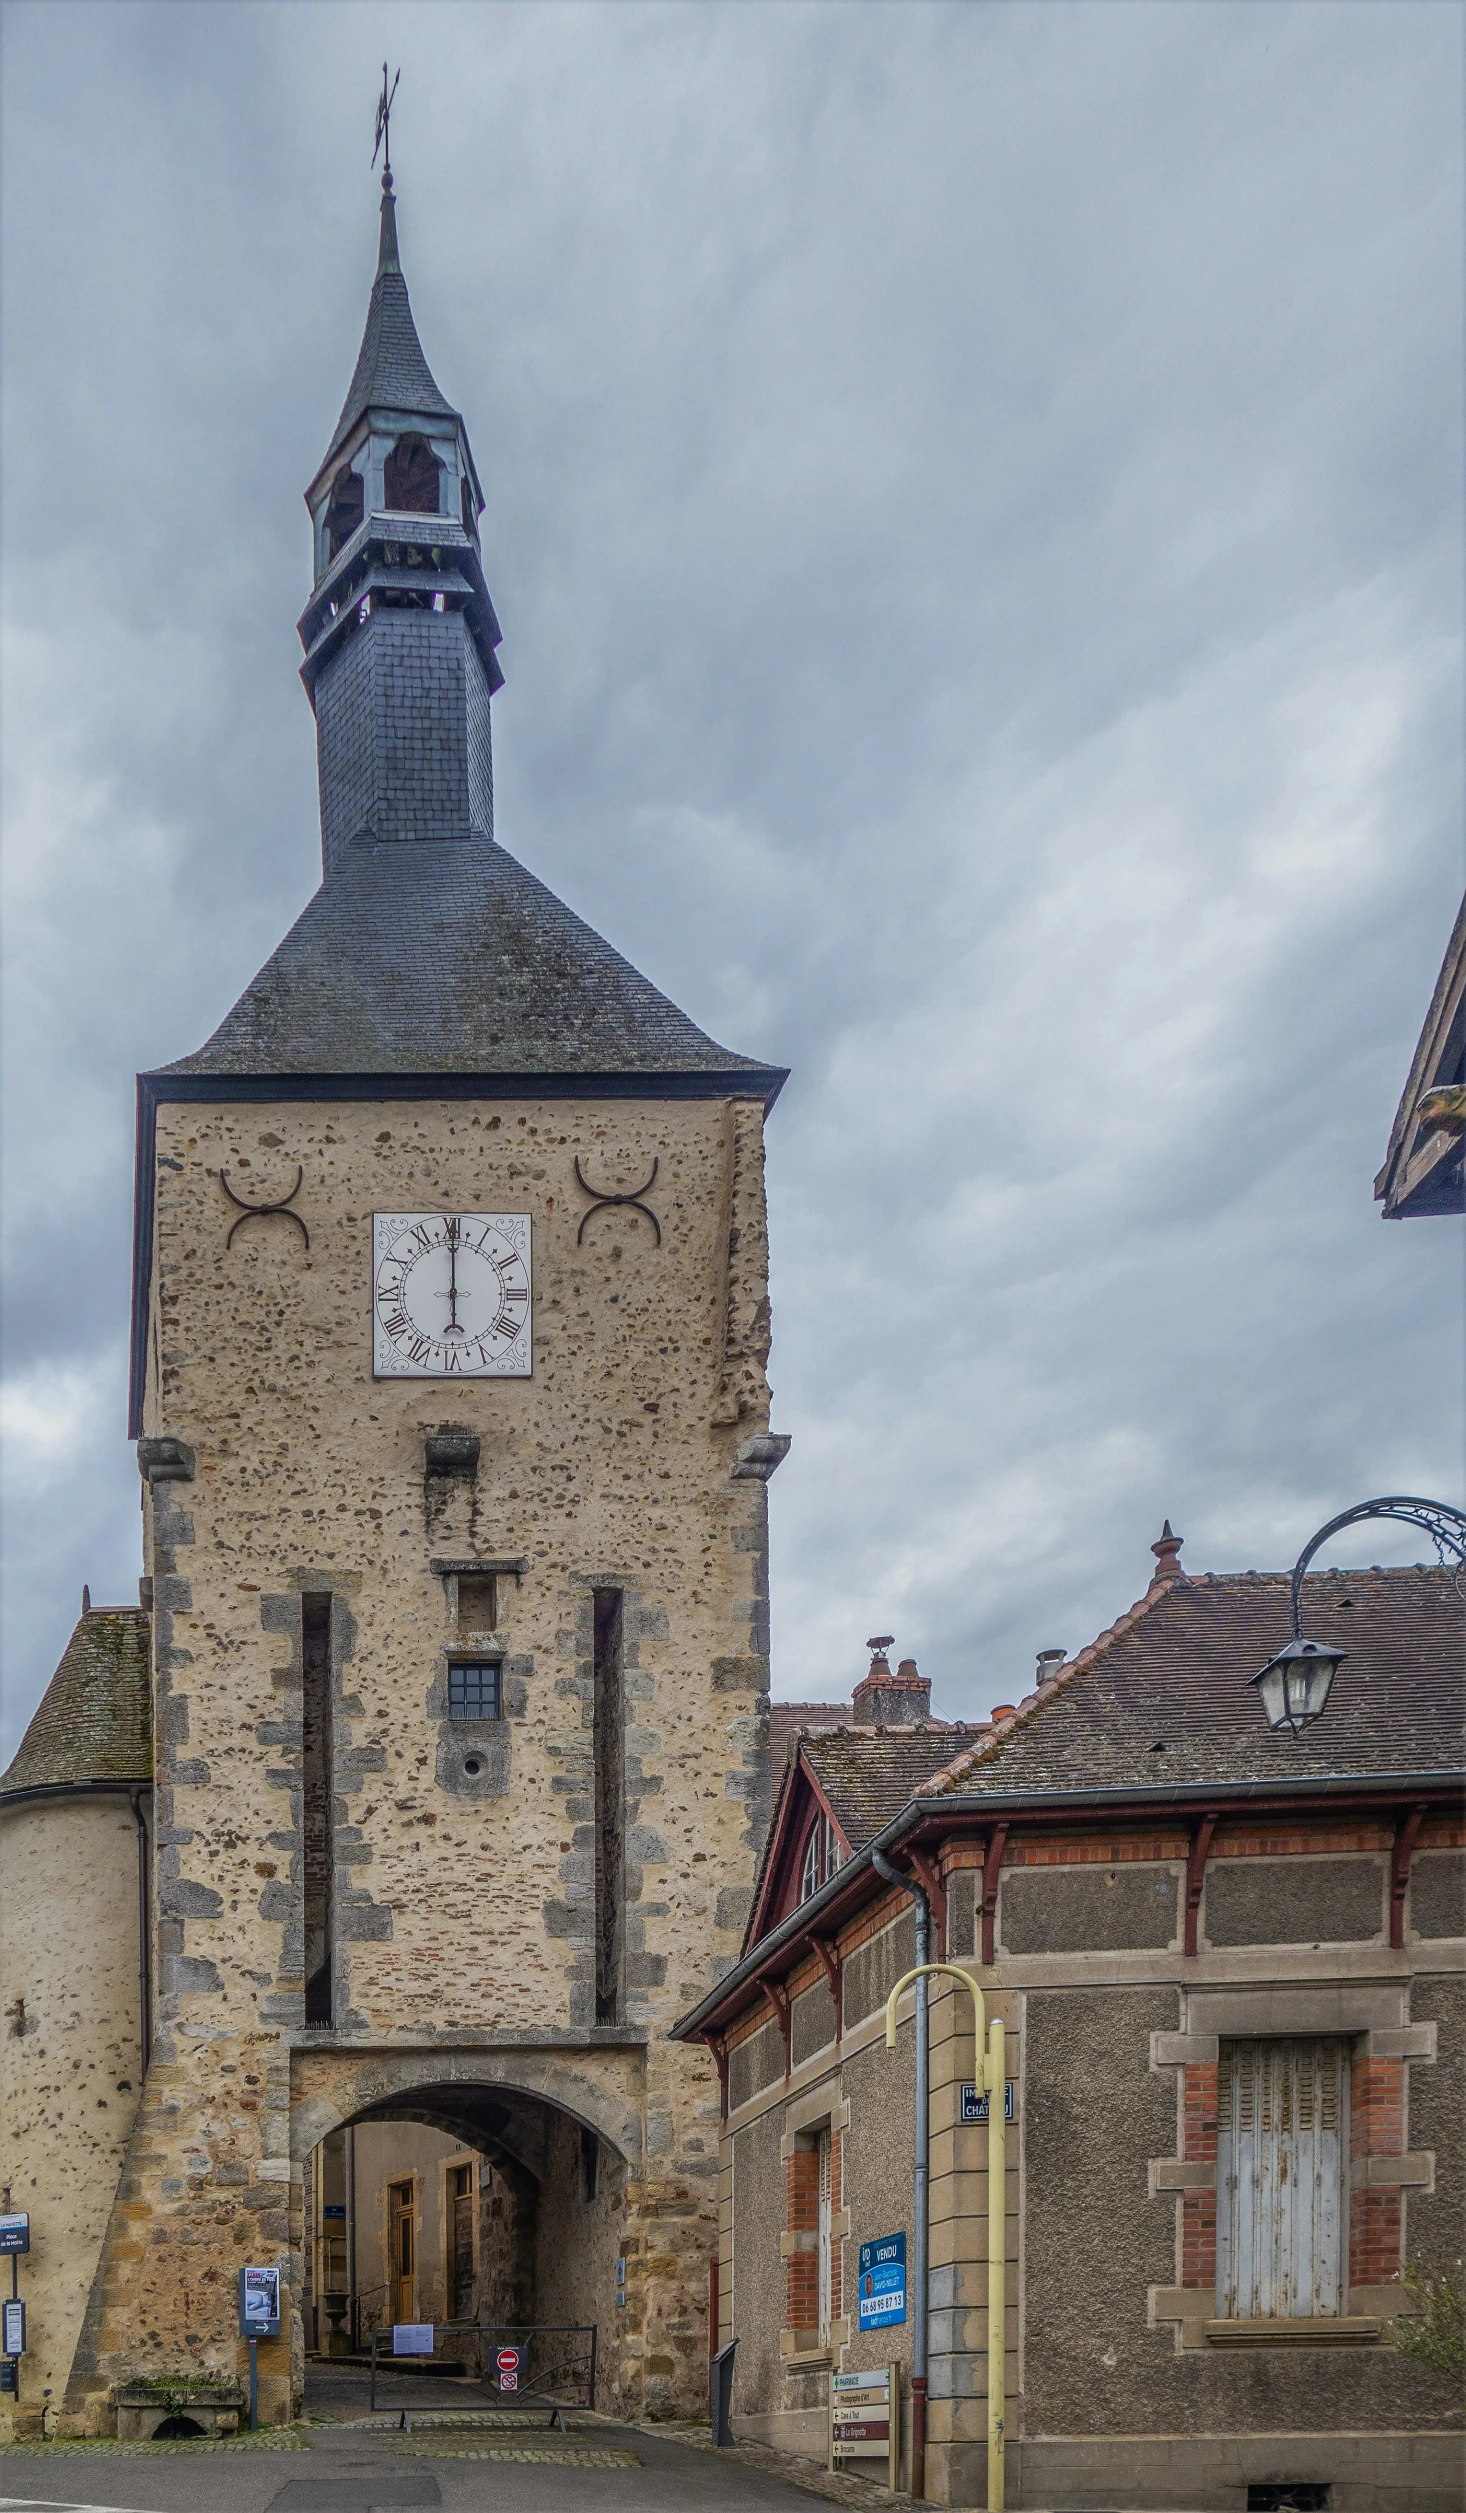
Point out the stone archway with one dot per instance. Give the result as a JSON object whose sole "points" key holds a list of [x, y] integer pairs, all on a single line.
{"points": [[560, 2144], [331, 2087]]}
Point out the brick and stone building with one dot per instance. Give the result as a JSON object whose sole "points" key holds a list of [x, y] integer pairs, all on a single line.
{"points": [[446, 1713], [1230, 1967], [1424, 1168]]}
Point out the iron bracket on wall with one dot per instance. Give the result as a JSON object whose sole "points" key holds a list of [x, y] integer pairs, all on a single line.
{"points": [[602, 1201], [257, 1212]]}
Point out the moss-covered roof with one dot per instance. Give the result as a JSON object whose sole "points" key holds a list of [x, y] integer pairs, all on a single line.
{"points": [[95, 1719]]}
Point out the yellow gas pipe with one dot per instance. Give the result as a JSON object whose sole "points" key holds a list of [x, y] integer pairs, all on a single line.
{"points": [[989, 2075]]}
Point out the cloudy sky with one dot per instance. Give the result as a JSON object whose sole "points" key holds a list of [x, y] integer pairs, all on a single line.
{"points": [[973, 506]]}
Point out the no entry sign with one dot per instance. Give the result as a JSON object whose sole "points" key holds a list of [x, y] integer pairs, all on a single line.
{"points": [[509, 2361]]}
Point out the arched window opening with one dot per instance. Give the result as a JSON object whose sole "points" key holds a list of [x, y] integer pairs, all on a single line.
{"points": [[345, 511], [410, 477], [470, 519], [822, 1857]]}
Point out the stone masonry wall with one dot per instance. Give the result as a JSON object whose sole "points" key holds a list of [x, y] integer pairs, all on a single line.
{"points": [[70, 2059], [460, 1919]]}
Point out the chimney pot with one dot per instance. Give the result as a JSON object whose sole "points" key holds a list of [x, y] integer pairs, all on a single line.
{"points": [[1049, 1663]]}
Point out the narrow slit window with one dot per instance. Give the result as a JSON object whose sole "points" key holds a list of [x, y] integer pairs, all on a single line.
{"points": [[317, 1806], [474, 1689], [610, 1765]]}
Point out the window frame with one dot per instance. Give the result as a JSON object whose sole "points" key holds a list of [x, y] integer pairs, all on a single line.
{"points": [[822, 1856], [479, 1664]]}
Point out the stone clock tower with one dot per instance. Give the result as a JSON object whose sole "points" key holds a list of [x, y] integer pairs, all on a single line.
{"points": [[450, 1328]]}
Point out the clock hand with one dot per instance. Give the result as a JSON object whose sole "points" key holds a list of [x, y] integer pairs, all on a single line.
{"points": [[451, 1294]]}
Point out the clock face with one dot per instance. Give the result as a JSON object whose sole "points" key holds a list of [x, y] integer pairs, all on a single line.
{"points": [[450, 1296]]}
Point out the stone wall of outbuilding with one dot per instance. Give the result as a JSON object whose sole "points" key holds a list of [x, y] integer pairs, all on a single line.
{"points": [[1116, 2391]]}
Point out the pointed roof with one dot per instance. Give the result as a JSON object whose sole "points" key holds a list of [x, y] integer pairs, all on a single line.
{"points": [[391, 371], [95, 1718], [447, 956]]}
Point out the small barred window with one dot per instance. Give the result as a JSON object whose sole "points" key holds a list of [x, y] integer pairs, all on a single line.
{"points": [[473, 1689]]}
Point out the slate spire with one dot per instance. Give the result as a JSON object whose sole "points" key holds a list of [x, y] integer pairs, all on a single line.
{"points": [[391, 372], [428, 950]]}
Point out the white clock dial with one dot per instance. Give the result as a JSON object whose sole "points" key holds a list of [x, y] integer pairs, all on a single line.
{"points": [[451, 1296]]}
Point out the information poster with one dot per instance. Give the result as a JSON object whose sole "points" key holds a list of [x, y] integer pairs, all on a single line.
{"points": [[259, 2303]]}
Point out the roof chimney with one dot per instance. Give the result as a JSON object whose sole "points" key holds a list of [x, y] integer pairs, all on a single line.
{"points": [[1166, 1549], [884, 1700], [1049, 1663]]}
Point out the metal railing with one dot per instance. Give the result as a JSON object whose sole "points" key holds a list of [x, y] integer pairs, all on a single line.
{"points": [[368, 2312], [556, 2368]]}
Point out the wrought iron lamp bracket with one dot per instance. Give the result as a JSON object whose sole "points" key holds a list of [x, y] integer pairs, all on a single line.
{"points": [[1445, 1526]]}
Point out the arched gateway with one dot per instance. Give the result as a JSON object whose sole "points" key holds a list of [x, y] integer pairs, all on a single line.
{"points": [[512, 2208], [449, 1331]]}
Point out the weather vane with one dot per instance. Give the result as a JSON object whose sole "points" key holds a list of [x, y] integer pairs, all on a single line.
{"points": [[384, 124]]}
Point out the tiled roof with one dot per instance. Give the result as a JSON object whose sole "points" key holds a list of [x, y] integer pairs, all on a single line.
{"points": [[1163, 1696], [869, 1774], [790, 1719], [95, 1718], [391, 370], [449, 957]]}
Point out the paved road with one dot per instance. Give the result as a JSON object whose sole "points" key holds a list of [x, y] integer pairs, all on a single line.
{"points": [[347, 2470]]}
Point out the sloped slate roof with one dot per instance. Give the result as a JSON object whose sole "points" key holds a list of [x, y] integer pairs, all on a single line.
{"points": [[1163, 1696], [391, 371], [95, 1718], [447, 956], [869, 1774]]}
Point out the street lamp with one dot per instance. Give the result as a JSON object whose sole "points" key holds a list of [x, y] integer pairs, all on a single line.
{"points": [[1294, 1686]]}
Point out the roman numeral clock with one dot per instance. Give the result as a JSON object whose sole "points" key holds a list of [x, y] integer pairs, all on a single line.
{"points": [[451, 1296]]}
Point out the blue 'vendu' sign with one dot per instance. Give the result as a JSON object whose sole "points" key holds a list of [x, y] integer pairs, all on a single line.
{"points": [[883, 2282]]}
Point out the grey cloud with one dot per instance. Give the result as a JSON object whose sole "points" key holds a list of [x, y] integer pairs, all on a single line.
{"points": [[973, 504]]}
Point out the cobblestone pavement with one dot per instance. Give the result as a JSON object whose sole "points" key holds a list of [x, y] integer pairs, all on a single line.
{"points": [[443, 2442]]}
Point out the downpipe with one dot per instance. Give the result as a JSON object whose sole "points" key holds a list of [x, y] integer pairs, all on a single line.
{"points": [[921, 2195]]}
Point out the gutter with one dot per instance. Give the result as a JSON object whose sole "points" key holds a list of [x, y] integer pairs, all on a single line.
{"points": [[994, 1806], [71, 1788]]}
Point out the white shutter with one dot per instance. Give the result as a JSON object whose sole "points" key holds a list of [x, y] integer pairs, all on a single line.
{"points": [[1282, 2153]]}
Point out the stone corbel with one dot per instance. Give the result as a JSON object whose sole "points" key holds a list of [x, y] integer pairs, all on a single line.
{"points": [[761, 1456], [165, 1460]]}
